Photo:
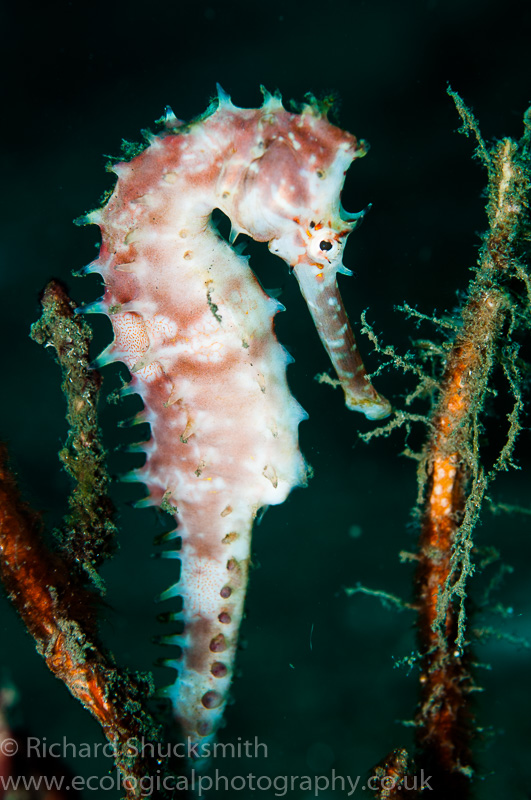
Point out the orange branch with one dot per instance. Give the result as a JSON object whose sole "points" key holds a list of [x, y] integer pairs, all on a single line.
{"points": [[456, 480], [58, 614], [443, 719]]}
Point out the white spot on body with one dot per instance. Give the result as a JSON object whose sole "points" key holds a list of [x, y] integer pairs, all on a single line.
{"points": [[295, 143]]}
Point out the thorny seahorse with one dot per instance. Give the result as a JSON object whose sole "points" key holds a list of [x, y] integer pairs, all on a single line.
{"points": [[195, 329]]}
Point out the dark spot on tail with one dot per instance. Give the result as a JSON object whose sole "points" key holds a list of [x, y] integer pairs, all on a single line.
{"points": [[211, 699], [218, 644], [204, 728]]}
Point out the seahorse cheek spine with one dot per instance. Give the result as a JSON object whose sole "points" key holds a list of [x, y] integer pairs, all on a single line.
{"points": [[195, 329]]}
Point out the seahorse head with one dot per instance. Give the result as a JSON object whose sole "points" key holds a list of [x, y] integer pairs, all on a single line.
{"points": [[283, 185], [287, 191]]}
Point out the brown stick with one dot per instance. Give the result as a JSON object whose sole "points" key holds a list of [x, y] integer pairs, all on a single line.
{"points": [[88, 535], [443, 718], [58, 614], [456, 481]]}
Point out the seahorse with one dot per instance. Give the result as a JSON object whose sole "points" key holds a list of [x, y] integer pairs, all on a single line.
{"points": [[196, 330]]}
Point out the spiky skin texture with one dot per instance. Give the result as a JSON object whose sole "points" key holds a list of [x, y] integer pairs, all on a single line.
{"points": [[196, 330]]}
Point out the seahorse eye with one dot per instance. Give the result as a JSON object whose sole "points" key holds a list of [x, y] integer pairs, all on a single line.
{"points": [[324, 245]]}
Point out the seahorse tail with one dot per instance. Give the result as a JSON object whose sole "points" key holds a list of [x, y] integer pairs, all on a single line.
{"points": [[211, 618]]}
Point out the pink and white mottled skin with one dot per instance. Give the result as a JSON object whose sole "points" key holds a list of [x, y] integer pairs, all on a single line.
{"points": [[196, 330]]}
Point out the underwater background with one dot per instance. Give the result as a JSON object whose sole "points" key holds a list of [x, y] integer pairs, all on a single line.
{"points": [[317, 682]]}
